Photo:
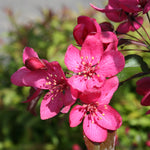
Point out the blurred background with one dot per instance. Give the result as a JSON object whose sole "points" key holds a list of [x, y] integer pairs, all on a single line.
{"points": [[47, 27]]}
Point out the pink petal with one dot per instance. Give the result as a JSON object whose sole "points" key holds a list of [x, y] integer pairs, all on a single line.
{"points": [[130, 5], [69, 99], [143, 86], [76, 115], [88, 97], [90, 23], [17, 77], [93, 131], [92, 49], [107, 90], [123, 28], [147, 7], [108, 118], [148, 112], [36, 79], [73, 59], [78, 82], [79, 33], [33, 96], [146, 99], [110, 40], [112, 62], [29, 52], [135, 24], [51, 105]]}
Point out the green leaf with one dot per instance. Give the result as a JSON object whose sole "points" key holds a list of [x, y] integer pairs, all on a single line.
{"points": [[136, 61], [133, 64]]}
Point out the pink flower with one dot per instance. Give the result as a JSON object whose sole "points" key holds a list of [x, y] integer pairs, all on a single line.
{"points": [[92, 64], [143, 88], [97, 119], [45, 75]]}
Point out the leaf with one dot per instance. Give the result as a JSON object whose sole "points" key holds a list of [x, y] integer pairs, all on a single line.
{"points": [[136, 61], [134, 64]]}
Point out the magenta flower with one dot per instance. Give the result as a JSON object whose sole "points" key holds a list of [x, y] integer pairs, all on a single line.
{"points": [[59, 97], [45, 75], [92, 64], [97, 119], [143, 88]]}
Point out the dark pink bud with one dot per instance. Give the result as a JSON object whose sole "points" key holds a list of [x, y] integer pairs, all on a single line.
{"points": [[34, 63], [106, 26]]}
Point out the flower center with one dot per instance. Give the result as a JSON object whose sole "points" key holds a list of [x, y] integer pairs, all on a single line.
{"points": [[89, 68]]}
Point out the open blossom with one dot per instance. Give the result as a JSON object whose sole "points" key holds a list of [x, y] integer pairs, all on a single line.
{"points": [[44, 75], [91, 65], [97, 119], [143, 88]]}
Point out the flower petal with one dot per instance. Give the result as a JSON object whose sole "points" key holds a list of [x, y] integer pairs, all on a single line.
{"points": [[76, 115], [92, 49], [78, 82], [93, 131], [108, 118], [73, 59], [143, 86], [107, 90], [36, 79], [29, 52], [51, 105], [146, 99], [112, 62], [17, 77]]}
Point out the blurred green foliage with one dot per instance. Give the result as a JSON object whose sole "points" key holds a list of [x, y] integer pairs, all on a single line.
{"points": [[20, 130]]}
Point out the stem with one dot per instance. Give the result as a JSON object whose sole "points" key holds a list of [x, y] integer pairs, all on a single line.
{"points": [[135, 76], [148, 17], [135, 50], [134, 37], [143, 29], [109, 144]]}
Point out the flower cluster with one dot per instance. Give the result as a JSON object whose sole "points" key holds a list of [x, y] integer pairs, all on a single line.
{"points": [[94, 63], [130, 17]]}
